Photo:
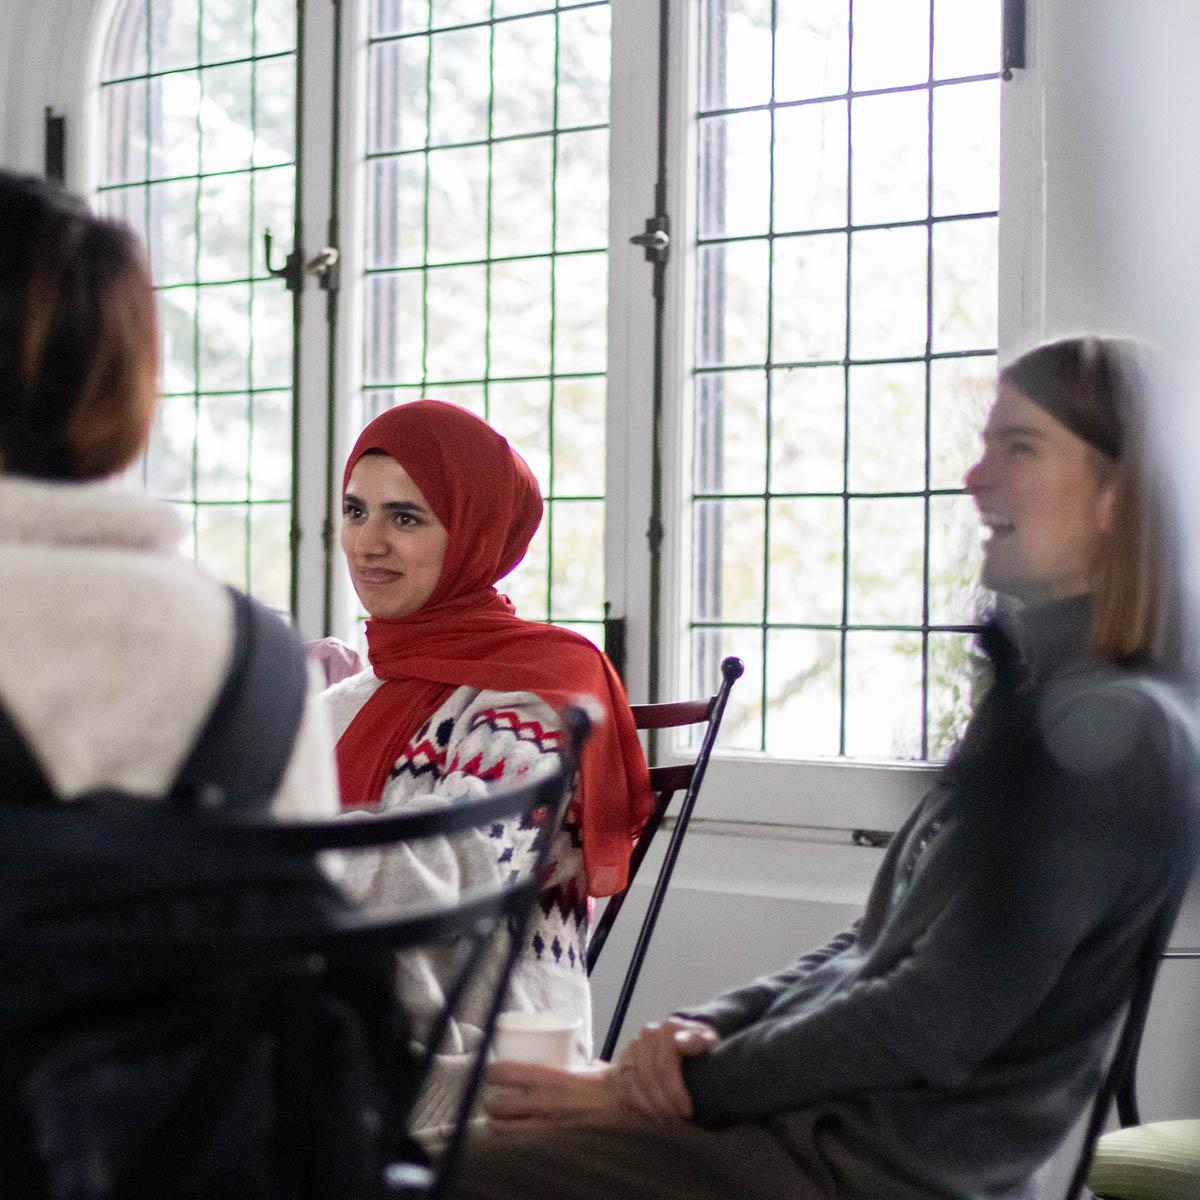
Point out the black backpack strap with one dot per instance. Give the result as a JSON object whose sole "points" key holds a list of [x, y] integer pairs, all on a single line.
{"points": [[243, 749], [24, 781], [239, 759]]}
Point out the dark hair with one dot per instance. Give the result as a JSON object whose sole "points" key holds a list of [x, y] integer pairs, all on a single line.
{"points": [[1104, 390], [78, 336]]}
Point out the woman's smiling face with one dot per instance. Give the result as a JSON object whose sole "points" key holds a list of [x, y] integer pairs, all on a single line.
{"points": [[1045, 498], [393, 542]]}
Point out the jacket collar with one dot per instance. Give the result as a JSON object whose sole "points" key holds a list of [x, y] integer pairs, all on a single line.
{"points": [[39, 512], [1052, 637]]}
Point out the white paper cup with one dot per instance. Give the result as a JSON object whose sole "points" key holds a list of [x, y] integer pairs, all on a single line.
{"points": [[535, 1037]]}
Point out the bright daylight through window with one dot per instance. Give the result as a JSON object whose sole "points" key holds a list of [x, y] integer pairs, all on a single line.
{"points": [[198, 113], [843, 274], [487, 252], [844, 346]]}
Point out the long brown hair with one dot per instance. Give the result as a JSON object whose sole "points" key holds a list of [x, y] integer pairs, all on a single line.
{"points": [[78, 336], [1104, 390]]}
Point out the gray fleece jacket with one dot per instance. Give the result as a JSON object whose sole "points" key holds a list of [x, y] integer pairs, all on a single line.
{"points": [[957, 1031]]}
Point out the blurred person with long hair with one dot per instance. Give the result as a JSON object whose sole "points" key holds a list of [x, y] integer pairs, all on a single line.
{"points": [[946, 1043]]}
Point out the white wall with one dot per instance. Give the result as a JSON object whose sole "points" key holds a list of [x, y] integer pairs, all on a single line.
{"points": [[42, 63]]}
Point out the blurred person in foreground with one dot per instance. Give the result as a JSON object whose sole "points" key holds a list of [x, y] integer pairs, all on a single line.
{"points": [[113, 647], [946, 1043]]}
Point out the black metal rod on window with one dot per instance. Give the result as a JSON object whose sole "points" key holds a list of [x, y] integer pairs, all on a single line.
{"points": [[614, 641], [333, 496], [656, 530], [295, 530], [1013, 47], [56, 147]]}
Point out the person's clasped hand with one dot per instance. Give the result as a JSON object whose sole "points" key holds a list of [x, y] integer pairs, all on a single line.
{"points": [[645, 1085], [650, 1069]]}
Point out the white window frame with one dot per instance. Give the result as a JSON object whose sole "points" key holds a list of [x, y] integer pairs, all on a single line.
{"points": [[320, 447]]}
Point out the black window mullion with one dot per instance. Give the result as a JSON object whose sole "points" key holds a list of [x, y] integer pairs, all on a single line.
{"points": [[487, 269], [928, 442], [846, 398], [764, 635], [551, 505], [196, 380], [147, 191], [251, 293]]}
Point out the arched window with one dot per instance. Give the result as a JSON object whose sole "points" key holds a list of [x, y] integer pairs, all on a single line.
{"points": [[197, 127]]}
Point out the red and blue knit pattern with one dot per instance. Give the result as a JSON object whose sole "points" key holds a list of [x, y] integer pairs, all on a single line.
{"points": [[561, 922]]}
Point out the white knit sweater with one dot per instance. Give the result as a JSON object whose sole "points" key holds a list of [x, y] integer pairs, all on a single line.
{"points": [[476, 739], [112, 646]]}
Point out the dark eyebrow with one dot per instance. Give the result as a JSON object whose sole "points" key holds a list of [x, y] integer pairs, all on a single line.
{"points": [[393, 506], [1011, 431], [405, 506]]}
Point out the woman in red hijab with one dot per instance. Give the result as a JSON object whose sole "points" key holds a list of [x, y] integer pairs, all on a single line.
{"points": [[462, 695]]}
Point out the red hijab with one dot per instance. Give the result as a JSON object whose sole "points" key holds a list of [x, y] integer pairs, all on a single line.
{"points": [[467, 633]]}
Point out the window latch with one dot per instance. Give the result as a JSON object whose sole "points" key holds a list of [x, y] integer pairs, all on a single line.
{"points": [[324, 265], [656, 241], [292, 271]]}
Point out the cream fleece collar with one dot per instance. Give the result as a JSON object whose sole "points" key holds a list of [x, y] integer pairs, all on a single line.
{"points": [[38, 512]]}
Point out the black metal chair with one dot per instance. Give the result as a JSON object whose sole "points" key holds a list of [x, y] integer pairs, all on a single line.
{"points": [[1118, 1156], [131, 859], [665, 781], [1118, 1082]]}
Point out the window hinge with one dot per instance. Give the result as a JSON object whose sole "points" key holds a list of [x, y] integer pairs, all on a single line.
{"points": [[656, 241], [292, 271]]}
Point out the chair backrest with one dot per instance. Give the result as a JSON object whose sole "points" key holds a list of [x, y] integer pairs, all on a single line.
{"points": [[665, 782], [1118, 1080], [141, 858], [1127, 1102]]}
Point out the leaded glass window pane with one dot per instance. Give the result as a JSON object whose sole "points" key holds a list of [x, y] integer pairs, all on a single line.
{"points": [[198, 116], [486, 251], [844, 343]]}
